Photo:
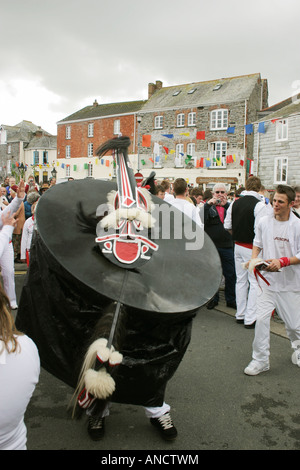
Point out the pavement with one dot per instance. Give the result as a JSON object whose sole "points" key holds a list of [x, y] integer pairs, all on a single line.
{"points": [[214, 405]]}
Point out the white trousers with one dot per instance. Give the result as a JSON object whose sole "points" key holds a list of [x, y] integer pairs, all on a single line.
{"points": [[287, 307], [8, 273], [151, 411], [246, 287]]}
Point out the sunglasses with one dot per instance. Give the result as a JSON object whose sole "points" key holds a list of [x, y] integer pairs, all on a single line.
{"points": [[220, 192]]}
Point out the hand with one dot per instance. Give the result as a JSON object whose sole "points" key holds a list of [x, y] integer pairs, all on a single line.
{"points": [[274, 265], [9, 219], [21, 190]]}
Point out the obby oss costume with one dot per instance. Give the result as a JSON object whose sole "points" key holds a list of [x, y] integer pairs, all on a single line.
{"points": [[108, 304]]}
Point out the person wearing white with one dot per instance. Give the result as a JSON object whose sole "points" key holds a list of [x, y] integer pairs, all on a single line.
{"points": [[241, 223], [180, 202], [27, 233], [7, 257], [278, 237], [19, 374]]}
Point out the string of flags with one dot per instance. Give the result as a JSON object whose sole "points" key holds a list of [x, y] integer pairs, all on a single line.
{"points": [[200, 135]]}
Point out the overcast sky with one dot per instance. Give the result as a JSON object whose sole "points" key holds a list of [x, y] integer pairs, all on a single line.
{"points": [[58, 56]]}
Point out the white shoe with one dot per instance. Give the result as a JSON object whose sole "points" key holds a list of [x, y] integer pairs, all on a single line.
{"points": [[13, 306], [296, 357], [256, 367]]}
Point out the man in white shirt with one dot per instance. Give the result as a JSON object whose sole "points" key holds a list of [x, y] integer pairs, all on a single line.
{"points": [[278, 237], [180, 201]]}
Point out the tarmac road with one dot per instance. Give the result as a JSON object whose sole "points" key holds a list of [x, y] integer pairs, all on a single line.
{"points": [[215, 406]]}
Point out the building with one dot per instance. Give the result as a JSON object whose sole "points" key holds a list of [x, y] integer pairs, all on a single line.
{"points": [[198, 131], [202, 131], [276, 152], [26, 149], [80, 134]]}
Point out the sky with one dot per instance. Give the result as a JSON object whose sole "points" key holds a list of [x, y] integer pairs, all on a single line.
{"points": [[59, 56]]}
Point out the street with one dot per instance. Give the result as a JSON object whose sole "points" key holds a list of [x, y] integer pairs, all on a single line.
{"points": [[215, 406]]}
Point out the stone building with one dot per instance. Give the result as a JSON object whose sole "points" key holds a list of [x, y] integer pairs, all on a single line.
{"points": [[201, 131], [196, 130], [26, 149]]}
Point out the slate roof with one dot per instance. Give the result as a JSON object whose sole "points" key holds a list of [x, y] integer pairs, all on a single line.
{"points": [[43, 142], [205, 93], [22, 132], [102, 110], [284, 112]]}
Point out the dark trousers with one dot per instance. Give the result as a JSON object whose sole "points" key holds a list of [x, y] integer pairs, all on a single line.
{"points": [[228, 269]]}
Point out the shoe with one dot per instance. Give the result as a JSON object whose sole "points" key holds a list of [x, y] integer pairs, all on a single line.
{"points": [[13, 306], [296, 357], [96, 428], [251, 326], [165, 425], [240, 320], [256, 367], [231, 305], [212, 304]]}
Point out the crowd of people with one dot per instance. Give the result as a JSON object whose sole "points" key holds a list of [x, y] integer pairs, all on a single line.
{"points": [[242, 226]]}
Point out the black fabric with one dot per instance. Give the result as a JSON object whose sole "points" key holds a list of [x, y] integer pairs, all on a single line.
{"points": [[215, 228], [243, 219], [69, 285]]}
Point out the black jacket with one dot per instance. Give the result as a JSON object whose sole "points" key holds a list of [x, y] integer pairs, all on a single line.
{"points": [[215, 228]]}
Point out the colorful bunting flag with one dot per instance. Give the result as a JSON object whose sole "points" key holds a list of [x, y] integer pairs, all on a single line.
{"points": [[146, 140], [200, 135], [261, 128], [169, 136], [230, 130], [166, 149], [249, 128]]}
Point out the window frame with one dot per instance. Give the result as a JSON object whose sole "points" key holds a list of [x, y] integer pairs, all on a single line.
{"points": [[179, 158], [68, 151], [281, 130], [90, 152], [180, 120], [117, 126], [215, 119], [158, 122], [191, 119], [91, 129], [213, 153], [283, 164], [68, 132]]}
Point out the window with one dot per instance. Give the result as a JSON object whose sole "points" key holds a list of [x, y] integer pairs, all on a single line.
{"points": [[190, 150], [280, 170], [191, 119], [192, 91], [91, 130], [219, 119], [68, 132], [90, 169], [117, 127], [179, 156], [180, 120], [158, 122], [45, 157], [218, 151], [68, 151], [68, 172], [176, 93], [36, 157], [282, 129], [90, 150], [9, 148]]}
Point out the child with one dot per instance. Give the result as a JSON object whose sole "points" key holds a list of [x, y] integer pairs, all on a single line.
{"points": [[27, 236]]}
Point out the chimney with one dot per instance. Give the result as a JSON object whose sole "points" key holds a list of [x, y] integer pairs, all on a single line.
{"points": [[95, 103], [153, 87]]}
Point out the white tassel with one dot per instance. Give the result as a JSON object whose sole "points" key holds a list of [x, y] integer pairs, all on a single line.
{"points": [[100, 384]]}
